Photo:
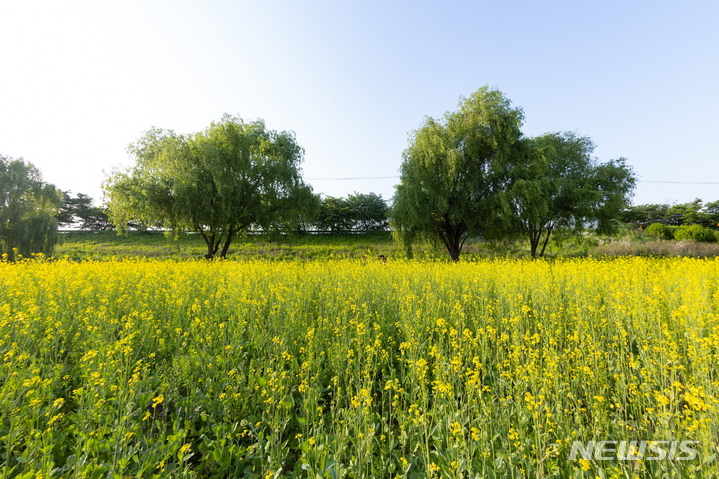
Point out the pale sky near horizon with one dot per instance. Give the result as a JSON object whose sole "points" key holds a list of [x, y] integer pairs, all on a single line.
{"points": [[83, 79]]}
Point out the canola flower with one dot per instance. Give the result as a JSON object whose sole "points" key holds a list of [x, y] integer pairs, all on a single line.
{"points": [[353, 369]]}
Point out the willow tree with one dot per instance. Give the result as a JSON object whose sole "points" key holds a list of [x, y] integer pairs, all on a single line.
{"points": [[233, 176], [456, 172], [28, 207]]}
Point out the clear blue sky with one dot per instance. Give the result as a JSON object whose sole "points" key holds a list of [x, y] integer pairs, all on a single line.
{"points": [[82, 79]]}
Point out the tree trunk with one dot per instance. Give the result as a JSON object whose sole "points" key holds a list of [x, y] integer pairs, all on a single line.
{"points": [[454, 249], [212, 245], [453, 236], [228, 240], [534, 236], [533, 246], [546, 240]]}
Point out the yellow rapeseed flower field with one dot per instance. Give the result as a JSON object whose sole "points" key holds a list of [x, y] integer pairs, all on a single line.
{"points": [[495, 368]]}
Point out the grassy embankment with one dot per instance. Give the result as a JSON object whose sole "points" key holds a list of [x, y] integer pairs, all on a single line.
{"points": [[104, 245]]}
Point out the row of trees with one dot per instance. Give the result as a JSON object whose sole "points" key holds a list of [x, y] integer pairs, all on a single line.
{"points": [[694, 213], [695, 220], [356, 213], [360, 212], [370, 212], [31, 211], [81, 212], [474, 173]]}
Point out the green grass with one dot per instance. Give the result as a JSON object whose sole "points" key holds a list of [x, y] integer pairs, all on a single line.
{"points": [[103, 245], [107, 245]]}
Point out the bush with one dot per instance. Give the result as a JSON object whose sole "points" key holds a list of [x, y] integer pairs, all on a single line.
{"points": [[695, 232], [661, 231]]}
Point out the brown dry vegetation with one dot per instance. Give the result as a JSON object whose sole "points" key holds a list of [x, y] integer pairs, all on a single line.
{"points": [[657, 248]]}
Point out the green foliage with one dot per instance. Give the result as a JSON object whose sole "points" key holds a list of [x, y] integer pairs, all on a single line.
{"points": [[369, 212], [28, 207], [565, 187], [473, 174], [686, 213], [334, 215], [613, 184], [711, 212], [456, 171], [695, 232], [79, 211], [661, 231], [231, 177], [694, 212], [359, 212], [641, 216]]}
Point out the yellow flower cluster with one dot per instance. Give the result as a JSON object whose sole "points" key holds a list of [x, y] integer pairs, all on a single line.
{"points": [[488, 368]]}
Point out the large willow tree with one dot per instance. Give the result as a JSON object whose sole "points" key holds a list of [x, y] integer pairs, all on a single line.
{"points": [[230, 177], [28, 207], [456, 172]]}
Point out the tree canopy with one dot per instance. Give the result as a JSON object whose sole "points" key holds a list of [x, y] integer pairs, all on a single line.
{"points": [[79, 211], [369, 212], [456, 172], [565, 187], [358, 212], [474, 174], [693, 213], [230, 177], [28, 207]]}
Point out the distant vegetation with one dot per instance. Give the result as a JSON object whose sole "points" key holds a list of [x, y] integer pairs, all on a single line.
{"points": [[356, 213], [688, 221], [80, 212], [105, 245], [471, 183]]}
